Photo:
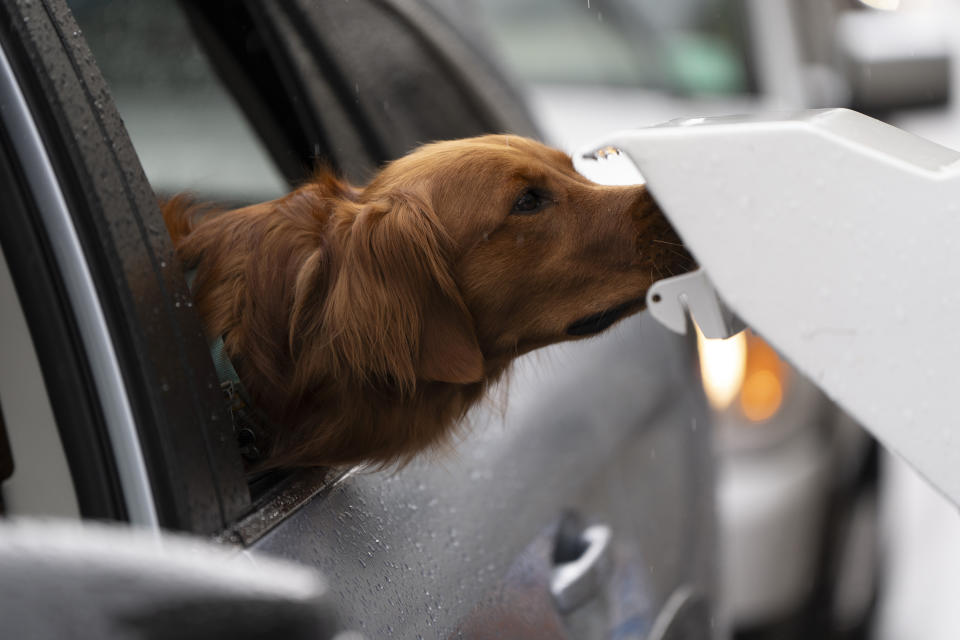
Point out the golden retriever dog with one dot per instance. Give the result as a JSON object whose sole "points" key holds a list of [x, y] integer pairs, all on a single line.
{"points": [[364, 322]]}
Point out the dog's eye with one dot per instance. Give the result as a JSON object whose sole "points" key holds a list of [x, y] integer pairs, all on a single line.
{"points": [[531, 201]]}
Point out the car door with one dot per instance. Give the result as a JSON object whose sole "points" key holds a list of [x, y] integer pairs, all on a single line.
{"points": [[578, 504], [608, 435]]}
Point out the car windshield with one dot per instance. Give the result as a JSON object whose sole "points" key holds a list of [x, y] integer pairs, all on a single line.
{"points": [[689, 47]]}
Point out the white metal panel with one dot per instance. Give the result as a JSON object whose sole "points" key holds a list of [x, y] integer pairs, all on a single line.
{"points": [[835, 236]]}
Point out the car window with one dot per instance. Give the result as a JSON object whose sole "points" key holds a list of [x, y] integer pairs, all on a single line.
{"points": [[235, 106], [187, 129]]}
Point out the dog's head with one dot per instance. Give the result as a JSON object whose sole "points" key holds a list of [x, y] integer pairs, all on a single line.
{"points": [[465, 254]]}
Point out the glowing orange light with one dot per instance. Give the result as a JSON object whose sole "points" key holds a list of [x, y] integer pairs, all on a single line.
{"points": [[761, 395], [763, 385], [745, 366]]}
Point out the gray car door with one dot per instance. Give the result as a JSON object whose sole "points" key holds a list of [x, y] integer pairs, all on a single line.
{"points": [[578, 502]]}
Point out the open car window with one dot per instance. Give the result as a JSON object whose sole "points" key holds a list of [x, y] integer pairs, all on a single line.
{"points": [[235, 102]]}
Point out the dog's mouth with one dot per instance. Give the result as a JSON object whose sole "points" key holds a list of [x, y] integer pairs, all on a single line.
{"points": [[601, 321]]}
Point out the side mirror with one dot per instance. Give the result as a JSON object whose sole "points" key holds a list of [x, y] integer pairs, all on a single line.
{"points": [[78, 580]]}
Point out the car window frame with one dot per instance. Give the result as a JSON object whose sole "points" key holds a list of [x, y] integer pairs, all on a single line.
{"points": [[59, 349], [195, 476]]}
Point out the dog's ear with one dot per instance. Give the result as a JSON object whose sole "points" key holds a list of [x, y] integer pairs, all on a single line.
{"points": [[394, 309], [449, 351]]}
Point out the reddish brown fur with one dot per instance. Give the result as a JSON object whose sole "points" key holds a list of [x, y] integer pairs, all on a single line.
{"points": [[365, 322]]}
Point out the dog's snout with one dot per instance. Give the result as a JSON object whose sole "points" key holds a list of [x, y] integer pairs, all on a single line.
{"points": [[657, 238]]}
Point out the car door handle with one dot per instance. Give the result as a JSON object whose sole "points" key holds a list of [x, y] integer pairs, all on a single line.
{"points": [[575, 581]]}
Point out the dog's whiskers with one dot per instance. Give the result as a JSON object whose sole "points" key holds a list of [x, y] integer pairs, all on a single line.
{"points": [[676, 253]]}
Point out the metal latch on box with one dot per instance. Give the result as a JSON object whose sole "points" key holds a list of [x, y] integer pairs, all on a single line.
{"points": [[671, 299]]}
